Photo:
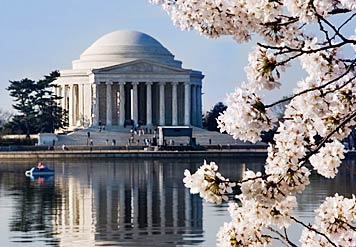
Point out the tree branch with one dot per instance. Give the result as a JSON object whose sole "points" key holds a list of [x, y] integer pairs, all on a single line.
{"points": [[312, 89], [314, 230], [345, 22], [326, 138], [284, 237]]}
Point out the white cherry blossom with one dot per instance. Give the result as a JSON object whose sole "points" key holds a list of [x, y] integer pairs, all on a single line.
{"points": [[318, 117], [209, 183]]}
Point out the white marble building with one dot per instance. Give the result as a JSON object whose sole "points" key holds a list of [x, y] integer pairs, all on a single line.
{"points": [[128, 75]]}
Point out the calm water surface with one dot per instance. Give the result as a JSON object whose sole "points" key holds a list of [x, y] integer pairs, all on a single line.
{"points": [[128, 203]]}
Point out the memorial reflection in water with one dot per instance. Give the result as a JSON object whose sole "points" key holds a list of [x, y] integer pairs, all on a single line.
{"points": [[127, 203], [139, 202]]}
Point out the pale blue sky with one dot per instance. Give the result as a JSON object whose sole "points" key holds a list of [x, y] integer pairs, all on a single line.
{"points": [[40, 36]]}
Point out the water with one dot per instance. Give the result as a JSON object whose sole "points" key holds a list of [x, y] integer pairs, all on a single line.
{"points": [[128, 203]]}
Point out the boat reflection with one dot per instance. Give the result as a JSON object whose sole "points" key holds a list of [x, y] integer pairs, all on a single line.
{"points": [[41, 179]]}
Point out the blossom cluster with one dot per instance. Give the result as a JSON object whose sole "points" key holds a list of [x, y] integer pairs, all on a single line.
{"points": [[249, 220], [246, 116], [328, 159], [240, 18], [209, 183], [261, 70], [335, 218]]}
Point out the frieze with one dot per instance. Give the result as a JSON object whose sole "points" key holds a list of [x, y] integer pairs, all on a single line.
{"points": [[138, 68]]}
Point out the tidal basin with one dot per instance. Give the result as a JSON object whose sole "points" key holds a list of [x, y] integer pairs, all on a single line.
{"points": [[129, 202]]}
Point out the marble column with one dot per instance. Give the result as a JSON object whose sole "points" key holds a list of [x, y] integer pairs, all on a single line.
{"points": [[81, 103], [108, 104], [161, 104], [149, 104], [194, 105], [135, 101], [95, 88], [174, 104], [64, 97], [71, 105], [75, 104], [199, 95], [122, 104], [187, 103]]}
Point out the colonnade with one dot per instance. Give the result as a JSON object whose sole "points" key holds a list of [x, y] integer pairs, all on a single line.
{"points": [[143, 102]]}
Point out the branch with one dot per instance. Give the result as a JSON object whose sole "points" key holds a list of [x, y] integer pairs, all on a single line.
{"points": [[284, 237], [290, 49], [337, 32], [326, 138], [314, 230], [312, 89], [345, 22], [322, 27], [339, 11], [340, 87], [351, 226]]}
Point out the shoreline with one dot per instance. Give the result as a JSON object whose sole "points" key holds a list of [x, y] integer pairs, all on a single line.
{"points": [[106, 153], [97, 154]]}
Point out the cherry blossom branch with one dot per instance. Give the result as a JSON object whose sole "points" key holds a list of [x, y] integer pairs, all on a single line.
{"points": [[314, 230], [351, 226], [339, 11], [314, 88], [322, 19], [287, 49], [337, 32], [340, 87], [326, 138], [322, 27], [346, 21], [284, 237]]}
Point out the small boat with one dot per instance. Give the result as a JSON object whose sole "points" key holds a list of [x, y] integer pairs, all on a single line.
{"points": [[41, 169]]}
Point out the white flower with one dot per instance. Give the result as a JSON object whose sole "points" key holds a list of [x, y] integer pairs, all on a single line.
{"points": [[328, 159], [349, 4], [246, 117], [209, 183], [305, 11], [334, 219], [262, 70]]}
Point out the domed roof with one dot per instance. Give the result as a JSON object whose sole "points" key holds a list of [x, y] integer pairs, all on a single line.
{"points": [[121, 47]]}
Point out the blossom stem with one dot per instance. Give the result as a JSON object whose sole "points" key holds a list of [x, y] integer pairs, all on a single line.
{"points": [[314, 230], [284, 239], [326, 138], [314, 88]]}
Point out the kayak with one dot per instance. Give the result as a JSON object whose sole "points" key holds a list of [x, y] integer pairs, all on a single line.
{"points": [[39, 171]]}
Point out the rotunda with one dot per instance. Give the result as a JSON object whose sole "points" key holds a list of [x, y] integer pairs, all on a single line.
{"points": [[129, 78]]}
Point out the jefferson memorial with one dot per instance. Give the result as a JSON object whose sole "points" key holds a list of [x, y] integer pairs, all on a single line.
{"points": [[128, 77]]}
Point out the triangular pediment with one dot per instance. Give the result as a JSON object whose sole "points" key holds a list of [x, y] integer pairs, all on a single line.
{"points": [[140, 66]]}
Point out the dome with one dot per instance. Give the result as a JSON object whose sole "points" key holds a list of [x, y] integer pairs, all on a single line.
{"points": [[124, 46]]}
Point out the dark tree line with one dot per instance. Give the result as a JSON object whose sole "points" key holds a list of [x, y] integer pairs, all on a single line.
{"points": [[36, 105], [209, 119]]}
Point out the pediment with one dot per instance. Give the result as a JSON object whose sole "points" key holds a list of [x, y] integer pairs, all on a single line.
{"points": [[138, 67]]}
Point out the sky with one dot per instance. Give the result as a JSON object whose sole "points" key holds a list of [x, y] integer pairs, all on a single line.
{"points": [[40, 36]]}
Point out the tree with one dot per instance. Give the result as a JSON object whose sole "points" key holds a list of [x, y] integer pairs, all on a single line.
{"points": [[210, 118], [320, 114], [50, 115], [23, 92], [37, 106]]}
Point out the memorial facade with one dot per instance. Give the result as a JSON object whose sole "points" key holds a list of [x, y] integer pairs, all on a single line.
{"points": [[128, 77]]}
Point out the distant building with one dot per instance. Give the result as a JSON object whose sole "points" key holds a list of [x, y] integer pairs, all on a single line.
{"points": [[128, 77]]}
